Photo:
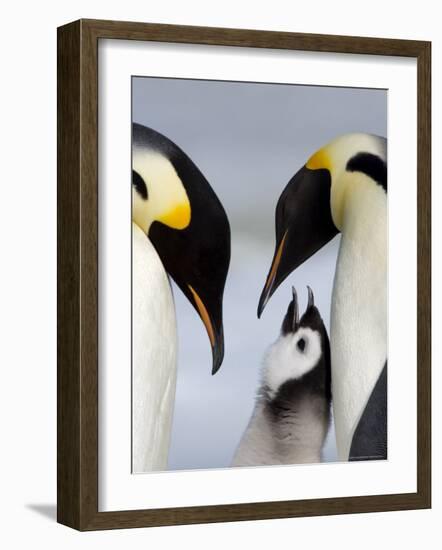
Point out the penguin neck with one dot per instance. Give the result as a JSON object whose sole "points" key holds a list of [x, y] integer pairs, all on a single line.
{"points": [[363, 224], [359, 305]]}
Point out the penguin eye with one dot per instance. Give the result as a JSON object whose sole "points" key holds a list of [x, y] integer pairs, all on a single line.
{"points": [[300, 344], [139, 184]]}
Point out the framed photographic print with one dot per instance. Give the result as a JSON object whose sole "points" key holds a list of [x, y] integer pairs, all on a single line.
{"points": [[243, 275]]}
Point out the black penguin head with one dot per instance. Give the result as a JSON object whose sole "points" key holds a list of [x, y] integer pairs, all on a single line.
{"points": [[303, 225], [185, 221], [311, 319], [310, 210], [302, 351]]}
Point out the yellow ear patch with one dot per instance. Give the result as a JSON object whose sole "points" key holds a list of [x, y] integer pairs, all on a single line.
{"points": [[167, 200], [178, 217], [319, 160]]}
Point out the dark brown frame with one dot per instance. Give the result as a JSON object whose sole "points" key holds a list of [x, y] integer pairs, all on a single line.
{"points": [[77, 225]]}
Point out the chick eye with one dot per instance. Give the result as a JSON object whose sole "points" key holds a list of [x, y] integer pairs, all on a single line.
{"points": [[300, 344]]}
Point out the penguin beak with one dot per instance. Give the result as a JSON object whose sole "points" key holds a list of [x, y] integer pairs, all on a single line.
{"points": [[215, 333], [303, 223], [218, 352], [272, 281], [290, 323], [295, 320], [311, 298]]}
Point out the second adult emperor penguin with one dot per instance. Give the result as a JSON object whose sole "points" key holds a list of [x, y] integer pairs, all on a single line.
{"points": [[292, 412], [343, 188], [179, 229]]}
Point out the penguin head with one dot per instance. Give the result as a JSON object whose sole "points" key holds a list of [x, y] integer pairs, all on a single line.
{"points": [[173, 203], [311, 209], [302, 347]]}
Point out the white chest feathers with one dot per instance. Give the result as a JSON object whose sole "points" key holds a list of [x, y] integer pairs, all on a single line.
{"points": [[154, 350]]}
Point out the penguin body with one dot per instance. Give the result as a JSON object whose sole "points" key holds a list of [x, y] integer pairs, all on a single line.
{"points": [[358, 322], [154, 343], [343, 189], [180, 229], [292, 411]]}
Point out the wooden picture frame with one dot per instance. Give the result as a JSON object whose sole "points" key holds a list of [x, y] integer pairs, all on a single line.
{"points": [[77, 226]]}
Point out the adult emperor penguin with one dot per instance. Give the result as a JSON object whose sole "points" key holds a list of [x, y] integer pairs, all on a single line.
{"points": [[292, 411], [343, 188], [179, 228]]}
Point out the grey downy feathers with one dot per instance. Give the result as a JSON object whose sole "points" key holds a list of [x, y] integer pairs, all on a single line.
{"points": [[291, 417]]}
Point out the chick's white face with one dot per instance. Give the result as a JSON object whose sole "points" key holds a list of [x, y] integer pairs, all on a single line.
{"points": [[290, 357]]}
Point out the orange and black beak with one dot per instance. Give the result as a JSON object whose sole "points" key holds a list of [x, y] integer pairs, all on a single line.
{"points": [[303, 224], [214, 326]]}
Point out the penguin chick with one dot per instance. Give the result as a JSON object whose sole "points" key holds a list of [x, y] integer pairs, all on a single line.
{"points": [[291, 417]]}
